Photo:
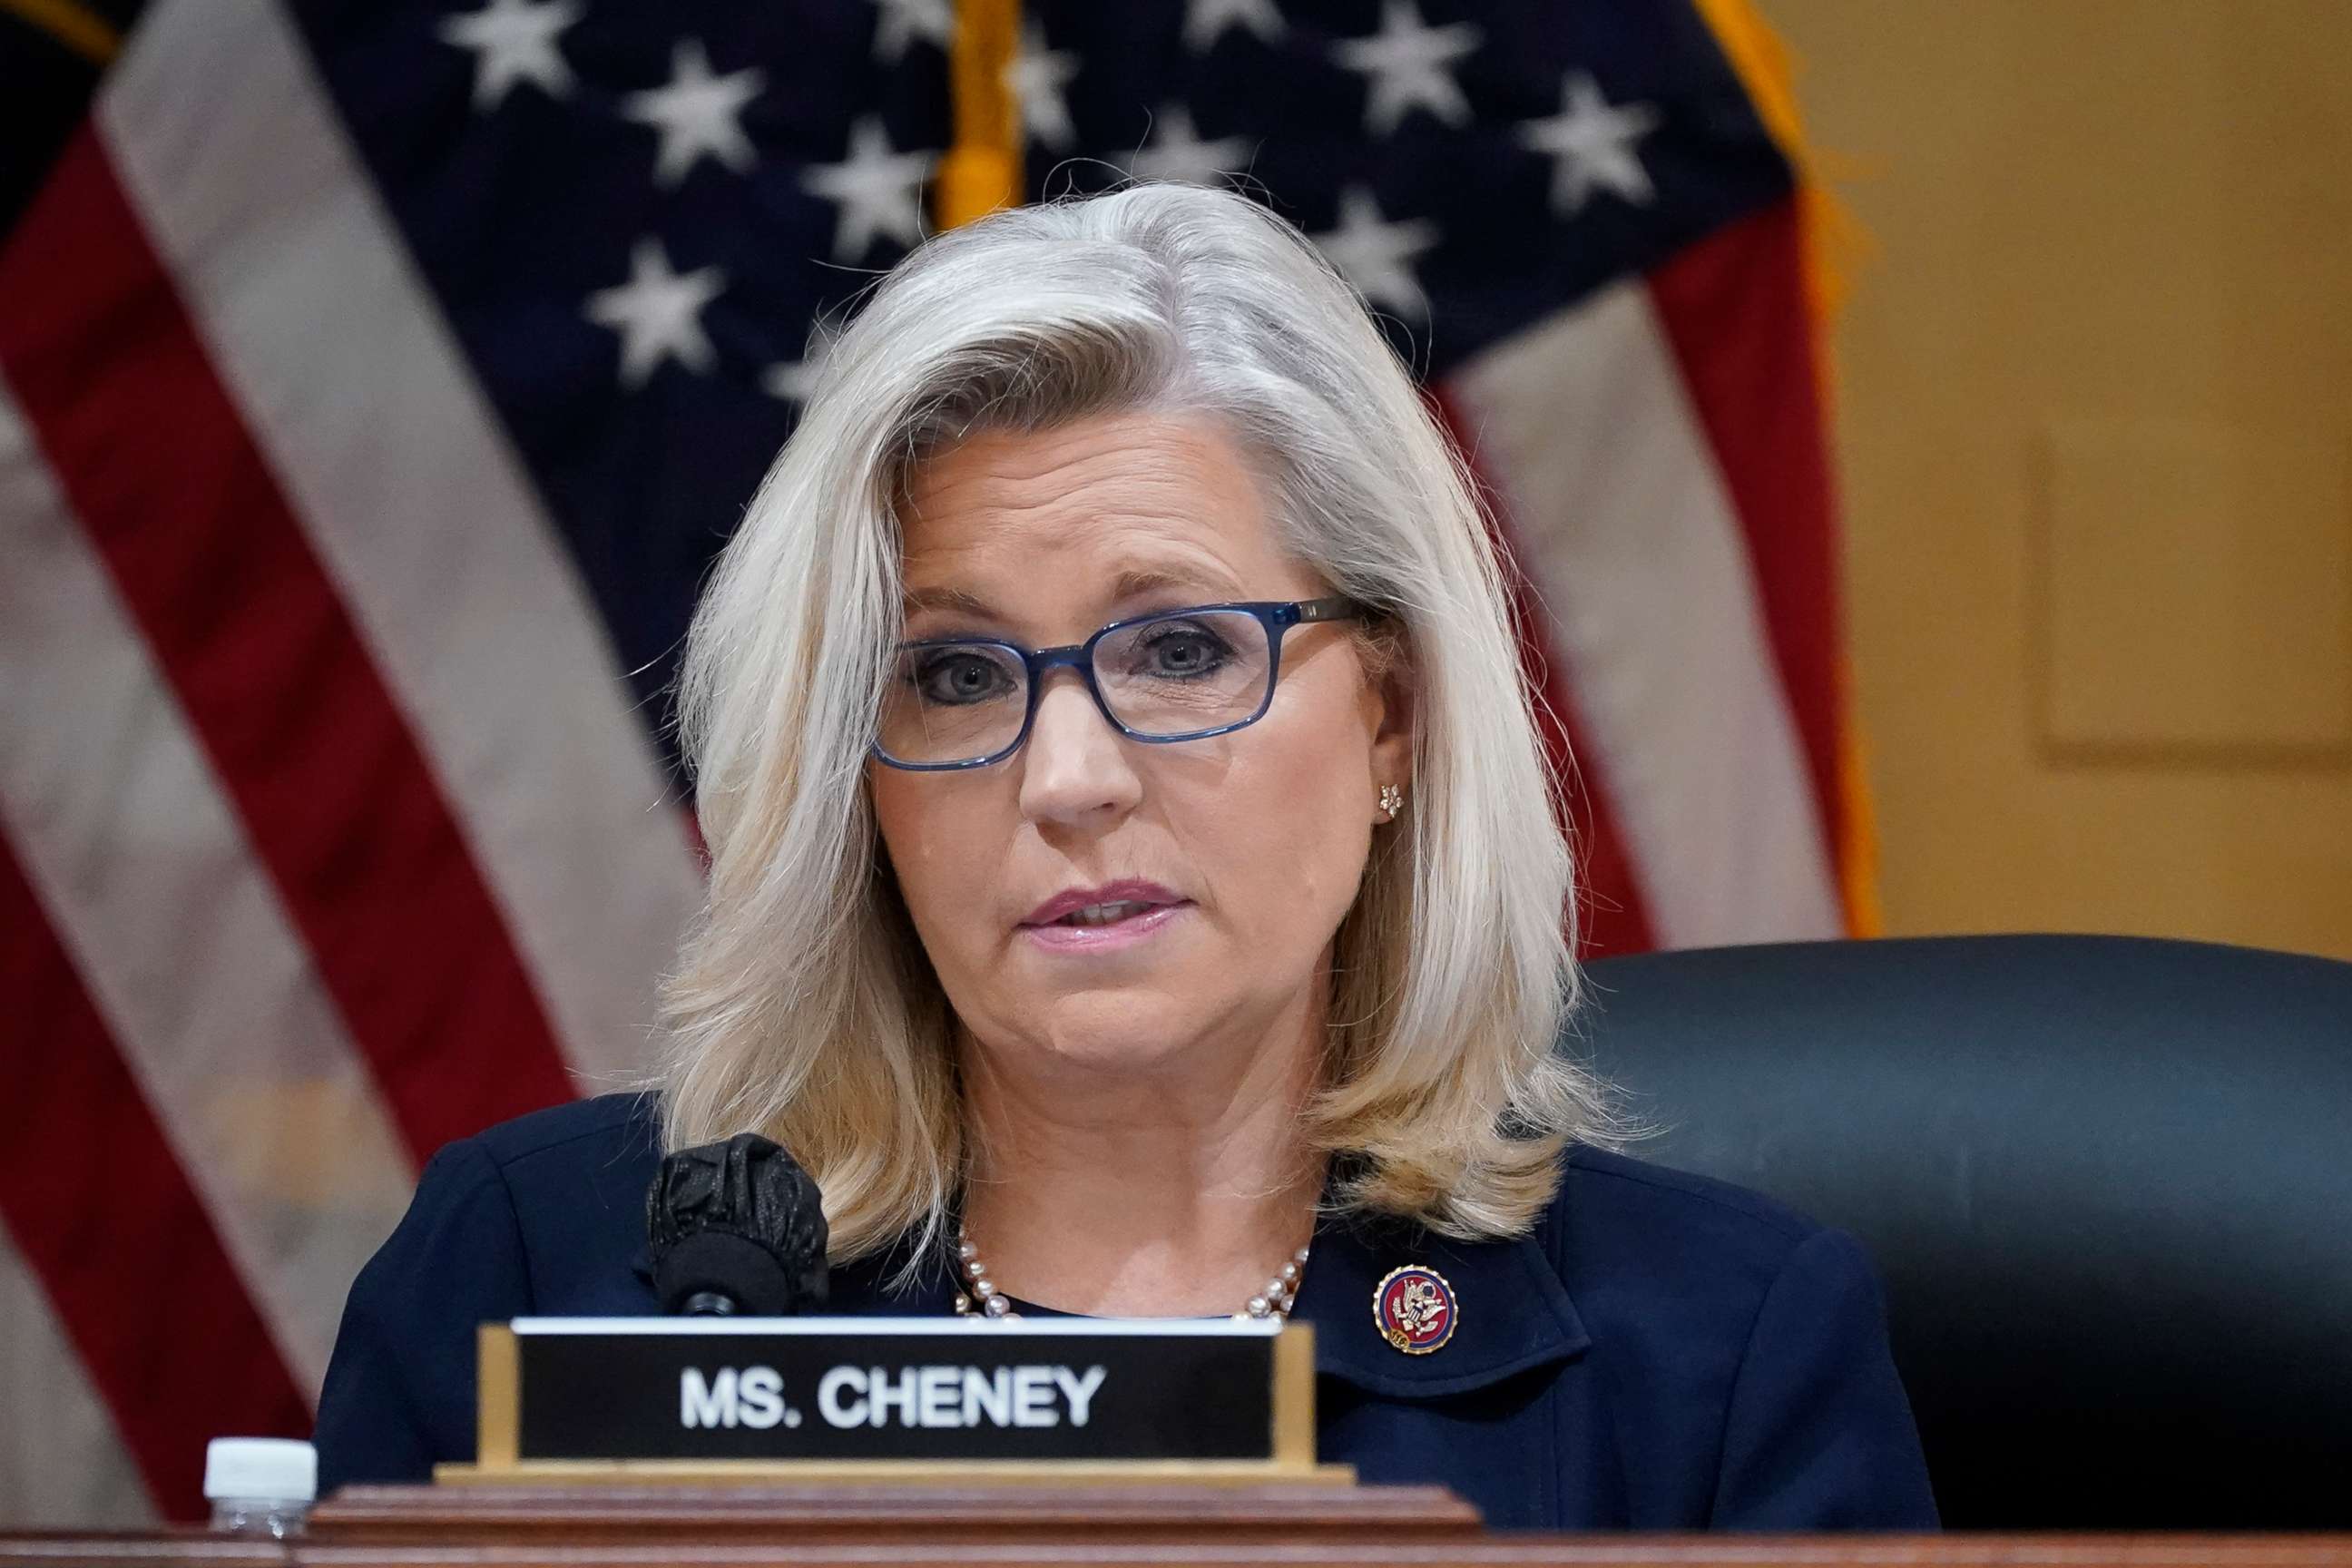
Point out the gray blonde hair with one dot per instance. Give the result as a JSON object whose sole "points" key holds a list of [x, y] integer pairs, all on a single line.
{"points": [[802, 1005]]}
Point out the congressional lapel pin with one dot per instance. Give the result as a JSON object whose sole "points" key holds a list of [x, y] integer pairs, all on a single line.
{"points": [[1414, 1308]]}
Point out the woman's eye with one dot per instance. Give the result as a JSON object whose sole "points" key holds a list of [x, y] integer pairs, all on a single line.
{"points": [[1186, 650], [955, 678]]}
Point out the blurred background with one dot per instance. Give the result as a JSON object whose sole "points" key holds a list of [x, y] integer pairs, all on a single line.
{"points": [[2095, 368], [1920, 435]]}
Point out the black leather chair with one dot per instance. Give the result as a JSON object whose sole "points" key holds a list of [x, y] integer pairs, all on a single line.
{"points": [[2107, 1181]]}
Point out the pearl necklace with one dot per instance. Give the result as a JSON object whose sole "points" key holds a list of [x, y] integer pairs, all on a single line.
{"points": [[980, 1294]]}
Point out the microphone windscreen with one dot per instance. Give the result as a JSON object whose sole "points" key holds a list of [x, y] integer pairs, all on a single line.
{"points": [[738, 1220]]}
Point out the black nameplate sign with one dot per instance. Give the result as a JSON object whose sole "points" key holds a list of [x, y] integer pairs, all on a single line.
{"points": [[699, 1394]]}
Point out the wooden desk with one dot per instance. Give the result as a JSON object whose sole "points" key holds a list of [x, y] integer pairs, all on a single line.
{"points": [[1072, 1527]]}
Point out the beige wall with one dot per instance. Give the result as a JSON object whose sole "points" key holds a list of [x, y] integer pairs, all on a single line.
{"points": [[2096, 439]]}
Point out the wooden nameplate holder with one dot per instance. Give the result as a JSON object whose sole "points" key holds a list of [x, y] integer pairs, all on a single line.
{"points": [[710, 1402], [828, 1440]]}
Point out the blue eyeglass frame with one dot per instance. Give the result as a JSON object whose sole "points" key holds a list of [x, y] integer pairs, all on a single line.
{"points": [[1277, 616]]}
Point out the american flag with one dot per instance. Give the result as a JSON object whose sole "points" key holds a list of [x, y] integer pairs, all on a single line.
{"points": [[378, 377]]}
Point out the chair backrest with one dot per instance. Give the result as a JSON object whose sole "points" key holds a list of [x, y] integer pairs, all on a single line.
{"points": [[2107, 1181]]}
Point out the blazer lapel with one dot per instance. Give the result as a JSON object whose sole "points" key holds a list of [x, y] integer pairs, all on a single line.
{"points": [[1512, 1314]]}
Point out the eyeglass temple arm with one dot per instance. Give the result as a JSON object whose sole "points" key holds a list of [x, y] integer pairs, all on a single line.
{"points": [[1337, 609]]}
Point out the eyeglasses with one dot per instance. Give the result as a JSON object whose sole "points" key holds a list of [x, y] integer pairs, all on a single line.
{"points": [[1179, 674]]}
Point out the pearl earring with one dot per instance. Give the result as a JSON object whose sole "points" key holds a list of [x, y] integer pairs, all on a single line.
{"points": [[1392, 800]]}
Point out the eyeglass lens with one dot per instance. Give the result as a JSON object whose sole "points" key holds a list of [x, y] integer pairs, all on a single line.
{"points": [[1162, 678]]}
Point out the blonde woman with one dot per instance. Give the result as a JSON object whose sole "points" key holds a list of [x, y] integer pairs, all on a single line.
{"points": [[1134, 891]]}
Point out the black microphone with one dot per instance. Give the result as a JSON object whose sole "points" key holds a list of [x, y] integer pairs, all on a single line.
{"points": [[737, 1228]]}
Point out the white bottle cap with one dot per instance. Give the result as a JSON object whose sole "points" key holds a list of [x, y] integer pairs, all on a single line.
{"points": [[278, 1469]]}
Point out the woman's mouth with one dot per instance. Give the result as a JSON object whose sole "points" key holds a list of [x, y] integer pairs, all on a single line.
{"points": [[1103, 917]]}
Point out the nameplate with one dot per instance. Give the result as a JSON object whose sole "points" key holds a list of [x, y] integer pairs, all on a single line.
{"points": [[701, 1396]]}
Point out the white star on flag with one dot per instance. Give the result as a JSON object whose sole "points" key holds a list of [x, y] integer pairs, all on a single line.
{"points": [[1377, 256], [878, 189], [904, 21], [696, 114], [1035, 77], [1177, 153], [514, 41], [659, 314], [1409, 63], [1206, 21], [1591, 142], [793, 380]]}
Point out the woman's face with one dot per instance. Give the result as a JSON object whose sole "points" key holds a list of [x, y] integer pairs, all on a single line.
{"points": [[1247, 847]]}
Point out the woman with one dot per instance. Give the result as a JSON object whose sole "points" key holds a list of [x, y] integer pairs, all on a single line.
{"points": [[1134, 891]]}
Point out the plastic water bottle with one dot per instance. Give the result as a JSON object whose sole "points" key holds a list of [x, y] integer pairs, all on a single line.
{"points": [[260, 1485]]}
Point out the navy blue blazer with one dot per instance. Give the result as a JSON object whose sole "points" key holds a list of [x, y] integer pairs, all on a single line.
{"points": [[1662, 1352]]}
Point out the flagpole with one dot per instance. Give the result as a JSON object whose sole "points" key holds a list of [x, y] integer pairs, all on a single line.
{"points": [[981, 172], [75, 26]]}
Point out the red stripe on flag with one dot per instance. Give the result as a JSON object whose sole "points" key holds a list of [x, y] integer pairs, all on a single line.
{"points": [[1614, 918], [1733, 307], [106, 1218], [339, 801]]}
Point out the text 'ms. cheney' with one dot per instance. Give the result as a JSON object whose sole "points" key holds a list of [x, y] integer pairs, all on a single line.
{"points": [[929, 1397]]}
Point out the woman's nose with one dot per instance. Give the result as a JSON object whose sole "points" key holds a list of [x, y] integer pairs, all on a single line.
{"points": [[1076, 765]]}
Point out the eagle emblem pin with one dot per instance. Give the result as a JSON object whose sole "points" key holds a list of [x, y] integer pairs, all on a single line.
{"points": [[1414, 1308]]}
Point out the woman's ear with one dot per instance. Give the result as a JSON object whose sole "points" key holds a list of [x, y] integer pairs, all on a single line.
{"points": [[1396, 687]]}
